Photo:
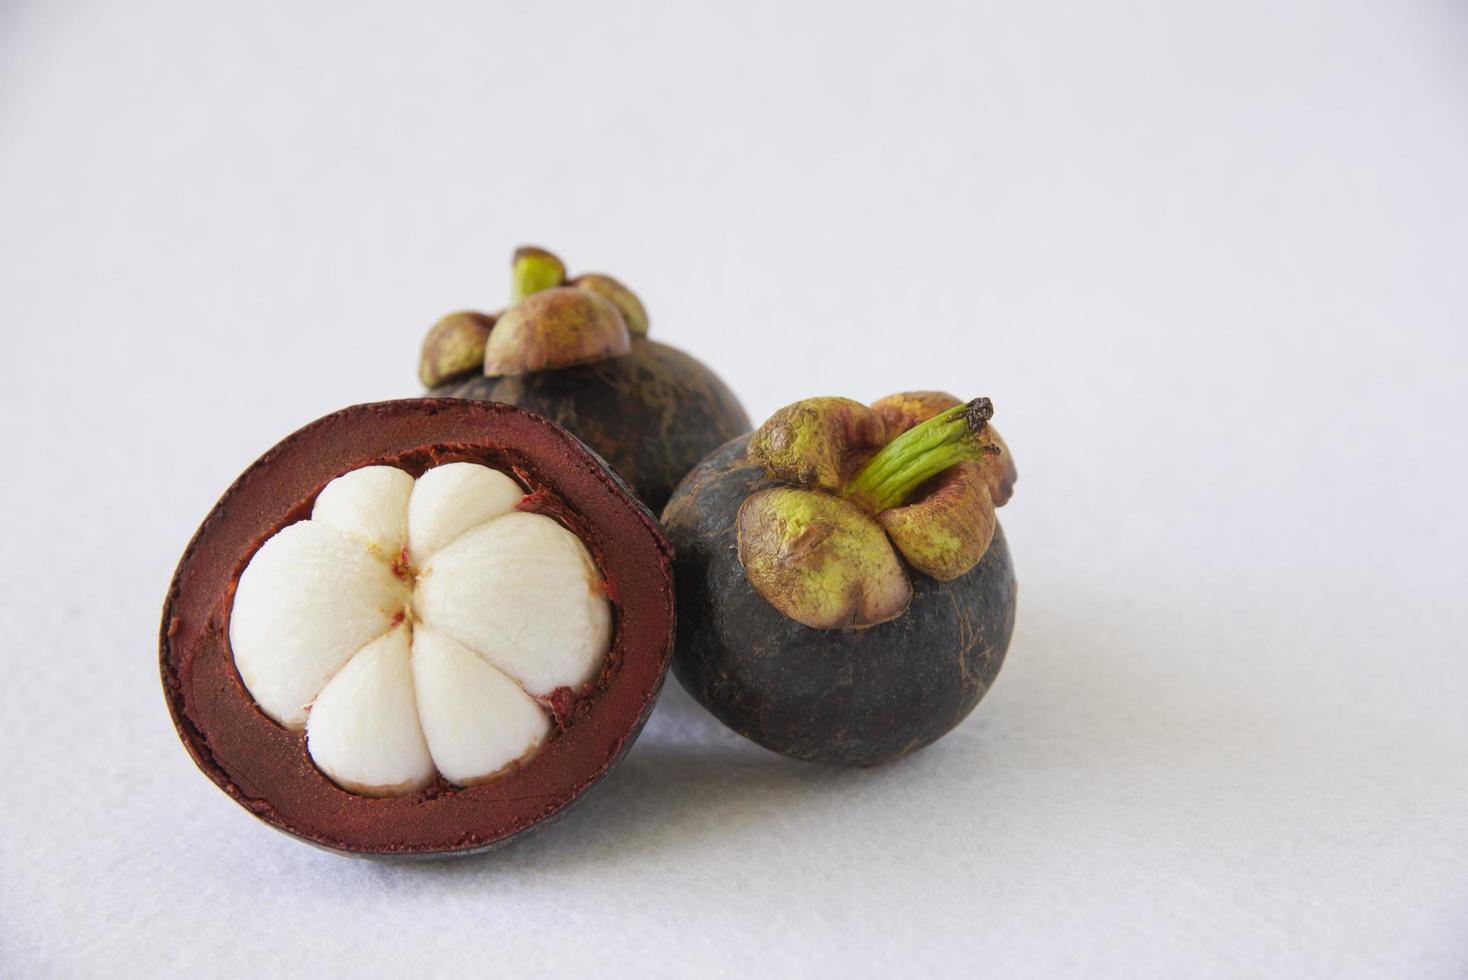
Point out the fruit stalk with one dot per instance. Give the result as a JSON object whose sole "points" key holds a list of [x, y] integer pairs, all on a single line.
{"points": [[921, 453], [534, 270]]}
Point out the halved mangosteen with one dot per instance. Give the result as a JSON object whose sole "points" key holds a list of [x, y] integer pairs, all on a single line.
{"points": [[577, 352], [845, 592], [418, 628]]}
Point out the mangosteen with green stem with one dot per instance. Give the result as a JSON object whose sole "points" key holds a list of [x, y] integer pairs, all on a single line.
{"points": [[845, 592], [577, 352]]}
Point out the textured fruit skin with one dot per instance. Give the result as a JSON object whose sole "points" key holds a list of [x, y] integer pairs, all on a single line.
{"points": [[845, 697], [652, 413]]}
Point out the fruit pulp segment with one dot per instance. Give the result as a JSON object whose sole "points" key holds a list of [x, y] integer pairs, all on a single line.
{"points": [[415, 627]]}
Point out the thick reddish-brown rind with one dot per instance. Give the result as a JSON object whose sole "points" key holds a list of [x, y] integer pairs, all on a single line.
{"points": [[266, 769]]}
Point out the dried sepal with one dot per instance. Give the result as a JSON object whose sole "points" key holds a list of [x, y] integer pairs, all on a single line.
{"points": [[624, 299], [948, 528], [906, 409], [454, 348], [817, 442], [999, 469], [820, 560], [555, 328]]}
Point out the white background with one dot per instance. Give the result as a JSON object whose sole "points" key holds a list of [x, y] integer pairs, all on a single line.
{"points": [[1210, 261]]}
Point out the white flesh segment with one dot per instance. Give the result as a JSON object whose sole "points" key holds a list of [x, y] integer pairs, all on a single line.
{"points": [[363, 728], [522, 592], [310, 598], [452, 499], [476, 720], [370, 503]]}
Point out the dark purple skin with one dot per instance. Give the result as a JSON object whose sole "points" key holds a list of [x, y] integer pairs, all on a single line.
{"points": [[652, 413], [843, 697]]}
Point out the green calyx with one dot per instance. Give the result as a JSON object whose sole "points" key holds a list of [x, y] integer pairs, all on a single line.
{"points": [[860, 494], [552, 322], [921, 453], [534, 270]]}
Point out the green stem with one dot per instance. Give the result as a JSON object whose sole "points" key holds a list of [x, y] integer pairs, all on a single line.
{"points": [[534, 269], [920, 454]]}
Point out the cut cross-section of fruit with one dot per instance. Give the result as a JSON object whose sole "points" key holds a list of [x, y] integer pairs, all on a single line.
{"points": [[334, 613], [418, 627]]}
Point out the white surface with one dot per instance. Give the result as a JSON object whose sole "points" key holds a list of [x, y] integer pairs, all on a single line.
{"points": [[1211, 262]]}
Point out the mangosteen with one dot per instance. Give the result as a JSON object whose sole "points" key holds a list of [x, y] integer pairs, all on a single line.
{"points": [[845, 593], [577, 352], [419, 627]]}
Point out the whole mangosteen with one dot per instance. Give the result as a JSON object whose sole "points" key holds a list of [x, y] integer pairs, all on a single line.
{"points": [[845, 592], [576, 351]]}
